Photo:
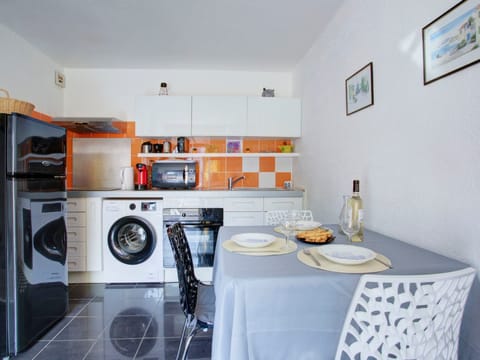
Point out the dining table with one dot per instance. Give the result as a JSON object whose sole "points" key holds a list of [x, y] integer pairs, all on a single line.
{"points": [[277, 307]]}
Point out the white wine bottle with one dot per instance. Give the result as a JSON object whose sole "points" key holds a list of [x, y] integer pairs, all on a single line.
{"points": [[357, 210]]}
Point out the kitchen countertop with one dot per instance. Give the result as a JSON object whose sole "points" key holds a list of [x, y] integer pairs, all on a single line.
{"points": [[195, 193]]}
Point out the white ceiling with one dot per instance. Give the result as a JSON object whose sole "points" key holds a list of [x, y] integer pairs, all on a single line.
{"points": [[254, 35]]}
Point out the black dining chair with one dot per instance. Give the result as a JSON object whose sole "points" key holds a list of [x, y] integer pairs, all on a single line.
{"points": [[196, 298]]}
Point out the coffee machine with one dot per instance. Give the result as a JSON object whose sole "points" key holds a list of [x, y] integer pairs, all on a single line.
{"points": [[142, 177]]}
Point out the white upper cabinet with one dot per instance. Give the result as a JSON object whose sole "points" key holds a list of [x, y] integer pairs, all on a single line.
{"points": [[219, 116], [274, 116], [163, 116]]}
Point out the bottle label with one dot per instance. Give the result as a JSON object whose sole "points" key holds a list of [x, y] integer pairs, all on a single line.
{"points": [[350, 215], [361, 214]]}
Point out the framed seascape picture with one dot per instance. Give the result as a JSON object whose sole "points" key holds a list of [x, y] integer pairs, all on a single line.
{"points": [[359, 89], [451, 42]]}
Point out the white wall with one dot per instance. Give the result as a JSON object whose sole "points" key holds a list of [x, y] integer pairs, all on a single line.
{"points": [[111, 92], [28, 74], [416, 151]]}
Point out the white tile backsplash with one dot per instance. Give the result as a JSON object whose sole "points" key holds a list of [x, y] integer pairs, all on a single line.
{"points": [[283, 164], [97, 162], [266, 180], [250, 164]]}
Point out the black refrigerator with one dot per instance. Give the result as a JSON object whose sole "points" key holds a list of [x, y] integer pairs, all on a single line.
{"points": [[33, 251]]}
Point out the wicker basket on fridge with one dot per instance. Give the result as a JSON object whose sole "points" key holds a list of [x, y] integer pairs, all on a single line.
{"points": [[9, 105]]}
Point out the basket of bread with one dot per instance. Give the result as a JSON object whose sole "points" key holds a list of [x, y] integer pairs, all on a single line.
{"points": [[319, 236], [9, 105]]}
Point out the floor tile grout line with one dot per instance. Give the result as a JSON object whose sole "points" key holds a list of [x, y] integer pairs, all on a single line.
{"points": [[92, 347], [58, 332], [143, 337], [99, 337]]}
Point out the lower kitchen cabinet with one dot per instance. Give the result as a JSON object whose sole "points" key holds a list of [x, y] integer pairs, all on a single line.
{"points": [[84, 234], [243, 211], [282, 203], [251, 211]]}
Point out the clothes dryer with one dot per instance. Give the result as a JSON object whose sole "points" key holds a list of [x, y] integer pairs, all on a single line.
{"points": [[132, 240]]}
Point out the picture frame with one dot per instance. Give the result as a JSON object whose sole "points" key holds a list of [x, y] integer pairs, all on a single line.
{"points": [[359, 89], [234, 145], [451, 42]]}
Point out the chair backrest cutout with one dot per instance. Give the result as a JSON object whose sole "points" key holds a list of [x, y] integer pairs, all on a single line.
{"points": [[406, 317]]}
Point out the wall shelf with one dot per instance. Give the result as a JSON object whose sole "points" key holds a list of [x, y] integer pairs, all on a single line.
{"points": [[203, 155]]}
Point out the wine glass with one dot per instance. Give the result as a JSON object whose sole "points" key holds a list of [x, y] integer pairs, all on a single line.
{"points": [[348, 223], [289, 224]]}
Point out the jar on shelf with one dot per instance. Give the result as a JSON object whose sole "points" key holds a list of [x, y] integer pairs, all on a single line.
{"points": [[163, 89]]}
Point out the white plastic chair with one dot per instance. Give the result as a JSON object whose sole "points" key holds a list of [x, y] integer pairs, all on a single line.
{"points": [[275, 217], [406, 317]]}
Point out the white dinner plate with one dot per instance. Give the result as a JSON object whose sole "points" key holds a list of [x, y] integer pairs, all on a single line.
{"points": [[347, 254], [303, 225], [253, 240]]}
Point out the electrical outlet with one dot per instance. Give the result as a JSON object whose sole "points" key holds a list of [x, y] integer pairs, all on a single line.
{"points": [[59, 79]]}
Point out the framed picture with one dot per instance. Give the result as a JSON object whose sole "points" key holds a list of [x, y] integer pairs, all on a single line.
{"points": [[451, 41], [234, 145], [359, 89]]}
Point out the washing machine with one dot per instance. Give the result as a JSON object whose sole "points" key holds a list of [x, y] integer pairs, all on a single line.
{"points": [[132, 240]]}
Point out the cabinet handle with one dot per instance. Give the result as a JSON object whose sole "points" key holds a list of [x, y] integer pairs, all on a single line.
{"points": [[244, 202]]}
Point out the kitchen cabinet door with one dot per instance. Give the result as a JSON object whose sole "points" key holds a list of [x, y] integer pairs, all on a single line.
{"points": [[243, 204], [84, 234], [159, 116], [274, 117], [94, 234], [243, 218], [283, 203], [76, 234], [219, 115]]}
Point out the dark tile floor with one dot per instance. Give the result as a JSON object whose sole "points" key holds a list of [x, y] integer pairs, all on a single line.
{"points": [[110, 322]]}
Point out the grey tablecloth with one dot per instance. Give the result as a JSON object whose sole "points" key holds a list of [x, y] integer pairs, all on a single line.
{"points": [[275, 307]]}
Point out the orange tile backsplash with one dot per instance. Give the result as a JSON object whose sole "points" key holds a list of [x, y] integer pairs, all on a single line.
{"points": [[213, 172], [267, 164]]}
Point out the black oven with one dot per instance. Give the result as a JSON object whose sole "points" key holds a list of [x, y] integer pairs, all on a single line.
{"points": [[201, 227]]}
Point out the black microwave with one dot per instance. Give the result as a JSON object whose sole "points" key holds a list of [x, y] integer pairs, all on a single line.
{"points": [[174, 174]]}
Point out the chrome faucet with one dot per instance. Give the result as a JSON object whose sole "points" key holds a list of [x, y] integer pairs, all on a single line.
{"points": [[232, 181]]}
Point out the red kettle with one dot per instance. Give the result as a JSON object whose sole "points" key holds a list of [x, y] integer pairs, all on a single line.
{"points": [[142, 177]]}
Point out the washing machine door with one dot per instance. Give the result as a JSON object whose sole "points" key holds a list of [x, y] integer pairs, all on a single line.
{"points": [[131, 240]]}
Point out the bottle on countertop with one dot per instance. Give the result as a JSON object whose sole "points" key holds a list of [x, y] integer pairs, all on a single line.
{"points": [[163, 89], [358, 212]]}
